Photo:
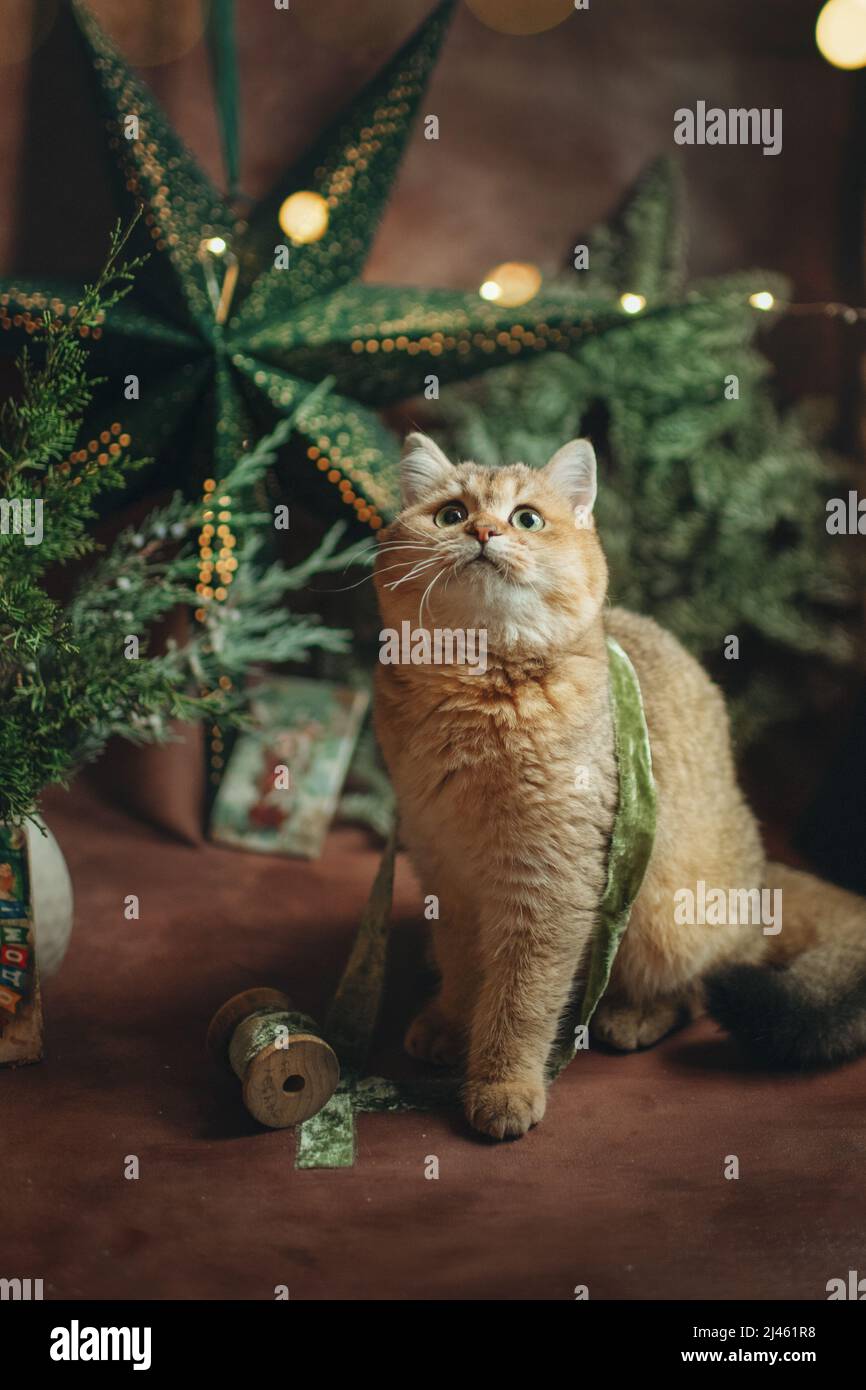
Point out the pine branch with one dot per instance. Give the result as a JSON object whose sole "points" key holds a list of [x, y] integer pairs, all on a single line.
{"points": [[66, 684], [42, 423]]}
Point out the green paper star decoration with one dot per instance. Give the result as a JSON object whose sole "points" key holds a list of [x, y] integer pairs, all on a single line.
{"points": [[221, 337]]}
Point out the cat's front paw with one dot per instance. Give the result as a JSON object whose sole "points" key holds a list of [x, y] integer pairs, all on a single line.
{"points": [[434, 1037], [504, 1109]]}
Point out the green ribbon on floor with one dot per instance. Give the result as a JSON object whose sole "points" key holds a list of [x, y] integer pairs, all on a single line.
{"points": [[327, 1140]]}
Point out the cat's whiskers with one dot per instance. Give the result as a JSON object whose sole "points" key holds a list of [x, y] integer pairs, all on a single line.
{"points": [[417, 548], [426, 592], [391, 545], [420, 566], [412, 545], [399, 565], [511, 573], [375, 547], [526, 580]]}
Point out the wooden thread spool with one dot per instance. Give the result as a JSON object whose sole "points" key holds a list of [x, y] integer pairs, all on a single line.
{"points": [[287, 1072]]}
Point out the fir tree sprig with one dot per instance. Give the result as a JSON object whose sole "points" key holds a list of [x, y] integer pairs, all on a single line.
{"points": [[67, 683], [40, 424]]}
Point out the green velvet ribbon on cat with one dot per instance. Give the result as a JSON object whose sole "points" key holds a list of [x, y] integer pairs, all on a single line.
{"points": [[327, 1140], [634, 827], [631, 845]]}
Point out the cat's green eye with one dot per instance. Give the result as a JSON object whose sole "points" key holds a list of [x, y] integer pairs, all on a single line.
{"points": [[451, 514], [527, 519]]}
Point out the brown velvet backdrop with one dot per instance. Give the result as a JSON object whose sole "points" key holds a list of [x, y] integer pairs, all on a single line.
{"points": [[621, 1188], [540, 136]]}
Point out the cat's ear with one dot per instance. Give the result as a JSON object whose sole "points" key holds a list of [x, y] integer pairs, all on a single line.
{"points": [[423, 468], [572, 471]]}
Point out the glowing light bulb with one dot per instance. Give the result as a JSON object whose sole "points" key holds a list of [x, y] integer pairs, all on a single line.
{"points": [[632, 303], [304, 217], [217, 245], [521, 16], [762, 299], [840, 33], [512, 283]]}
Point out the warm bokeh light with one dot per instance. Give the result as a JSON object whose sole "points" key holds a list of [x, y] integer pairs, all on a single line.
{"points": [[216, 245], [304, 217], [632, 303], [511, 284], [762, 299], [840, 33], [149, 34], [521, 16]]}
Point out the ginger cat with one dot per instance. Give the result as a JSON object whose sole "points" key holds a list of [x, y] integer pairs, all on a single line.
{"points": [[484, 767]]}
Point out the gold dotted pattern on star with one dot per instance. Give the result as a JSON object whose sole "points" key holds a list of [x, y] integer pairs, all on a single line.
{"points": [[354, 177], [179, 208]]}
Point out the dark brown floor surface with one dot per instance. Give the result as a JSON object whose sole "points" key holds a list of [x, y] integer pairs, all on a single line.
{"points": [[621, 1188]]}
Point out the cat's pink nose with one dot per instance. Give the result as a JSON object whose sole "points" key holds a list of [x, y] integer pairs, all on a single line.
{"points": [[484, 532]]}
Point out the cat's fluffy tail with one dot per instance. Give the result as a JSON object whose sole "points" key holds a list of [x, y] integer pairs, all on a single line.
{"points": [[810, 1008]]}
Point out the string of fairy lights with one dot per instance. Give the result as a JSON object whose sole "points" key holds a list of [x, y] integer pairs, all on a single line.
{"points": [[840, 30], [840, 36], [303, 218]]}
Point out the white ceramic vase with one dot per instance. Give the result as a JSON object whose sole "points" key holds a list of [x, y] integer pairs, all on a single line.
{"points": [[51, 889]]}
